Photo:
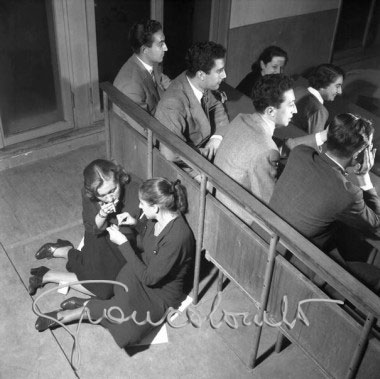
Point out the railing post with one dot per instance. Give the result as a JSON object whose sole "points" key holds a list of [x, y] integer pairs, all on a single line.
{"points": [[107, 124], [199, 242], [360, 348], [150, 155], [279, 342], [264, 298]]}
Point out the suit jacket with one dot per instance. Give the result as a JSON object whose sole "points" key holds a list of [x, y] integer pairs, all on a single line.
{"points": [[311, 114], [313, 193], [181, 112], [135, 81], [249, 155]]}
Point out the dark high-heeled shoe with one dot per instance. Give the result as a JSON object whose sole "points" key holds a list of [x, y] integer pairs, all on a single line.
{"points": [[39, 271], [43, 323], [35, 282], [73, 303], [47, 250]]}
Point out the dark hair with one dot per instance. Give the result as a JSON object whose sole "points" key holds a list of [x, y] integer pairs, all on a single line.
{"points": [[325, 74], [269, 91], [347, 133], [267, 55], [202, 55], [99, 171], [141, 34], [162, 192]]}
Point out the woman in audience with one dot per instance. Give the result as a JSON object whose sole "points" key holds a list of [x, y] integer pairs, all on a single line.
{"points": [[271, 61], [154, 278], [325, 83], [108, 190]]}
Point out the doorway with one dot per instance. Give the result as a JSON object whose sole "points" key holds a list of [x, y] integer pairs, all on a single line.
{"points": [[185, 22], [358, 28], [35, 100]]}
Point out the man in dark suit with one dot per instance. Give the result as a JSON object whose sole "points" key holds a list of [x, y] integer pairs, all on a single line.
{"points": [[191, 107], [313, 193], [141, 77]]}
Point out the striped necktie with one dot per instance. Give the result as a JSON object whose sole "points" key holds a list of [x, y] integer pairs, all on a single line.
{"points": [[204, 104], [153, 78]]}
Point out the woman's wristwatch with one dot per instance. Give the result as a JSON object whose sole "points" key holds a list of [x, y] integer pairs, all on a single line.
{"points": [[101, 215]]}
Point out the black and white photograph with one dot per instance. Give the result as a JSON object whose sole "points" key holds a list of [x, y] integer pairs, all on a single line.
{"points": [[189, 189]]}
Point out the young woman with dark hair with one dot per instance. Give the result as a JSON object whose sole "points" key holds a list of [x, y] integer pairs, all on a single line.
{"points": [[325, 83], [272, 60], [108, 190], [155, 278]]}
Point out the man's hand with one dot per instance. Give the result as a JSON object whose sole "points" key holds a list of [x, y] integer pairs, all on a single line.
{"points": [[209, 150], [361, 169], [314, 140], [116, 236]]}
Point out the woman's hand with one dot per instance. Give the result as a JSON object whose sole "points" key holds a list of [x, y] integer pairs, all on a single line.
{"points": [[106, 209], [125, 219], [116, 236]]}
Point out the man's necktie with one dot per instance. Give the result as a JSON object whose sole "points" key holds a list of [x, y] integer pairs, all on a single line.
{"points": [[204, 105], [153, 78]]}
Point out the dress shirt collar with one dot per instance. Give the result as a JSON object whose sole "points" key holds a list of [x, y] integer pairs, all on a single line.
{"points": [[198, 94], [269, 123], [344, 172], [316, 93], [148, 67]]}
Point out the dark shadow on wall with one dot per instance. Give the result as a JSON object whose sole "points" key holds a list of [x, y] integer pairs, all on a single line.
{"points": [[113, 20], [185, 22]]}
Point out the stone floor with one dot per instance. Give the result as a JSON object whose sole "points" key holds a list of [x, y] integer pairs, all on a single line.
{"points": [[40, 202]]}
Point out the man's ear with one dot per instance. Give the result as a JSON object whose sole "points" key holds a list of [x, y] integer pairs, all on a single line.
{"points": [[156, 208], [270, 111], [262, 65], [322, 92], [201, 75]]}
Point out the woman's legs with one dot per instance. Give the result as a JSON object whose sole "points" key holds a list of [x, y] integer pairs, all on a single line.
{"points": [[65, 277], [49, 250], [66, 316], [61, 252]]}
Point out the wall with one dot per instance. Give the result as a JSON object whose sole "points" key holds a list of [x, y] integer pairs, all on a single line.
{"points": [[113, 20], [304, 28]]}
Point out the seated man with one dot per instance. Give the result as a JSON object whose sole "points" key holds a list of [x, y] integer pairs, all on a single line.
{"points": [[190, 108], [313, 193], [325, 83], [247, 153], [141, 78]]}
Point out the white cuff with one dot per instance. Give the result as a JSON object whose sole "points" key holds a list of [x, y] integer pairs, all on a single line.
{"points": [[367, 182], [217, 137], [320, 138]]}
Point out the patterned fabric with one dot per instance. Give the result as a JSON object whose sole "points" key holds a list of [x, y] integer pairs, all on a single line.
{"points": [[135, 81], [181, 112]]}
